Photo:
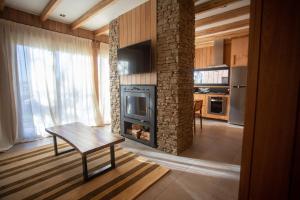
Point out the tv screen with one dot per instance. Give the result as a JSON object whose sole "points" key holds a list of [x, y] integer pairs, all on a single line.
{"points": [[135, 59]]}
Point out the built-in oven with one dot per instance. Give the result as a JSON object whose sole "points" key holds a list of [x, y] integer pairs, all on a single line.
{"points": [[217, 105]]}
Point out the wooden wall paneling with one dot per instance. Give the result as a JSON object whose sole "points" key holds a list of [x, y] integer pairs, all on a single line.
{"points": [[133, 28], [143, 24], [199, 64], [153, 78], [138, 23], [153, 20], [200, 61], [148, 20], [136, 26], [204, 57], [196, 61], [147, 79], [227, 52], [129, 29], [121, 30], [210, 56]]}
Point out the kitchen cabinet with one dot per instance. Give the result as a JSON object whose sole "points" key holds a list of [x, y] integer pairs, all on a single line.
{"points": [[205, 114], [204, 57], [239, 51]]}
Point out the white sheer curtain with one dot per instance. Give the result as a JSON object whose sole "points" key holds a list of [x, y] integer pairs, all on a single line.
{"points": [[104, 89], [50, 82]]}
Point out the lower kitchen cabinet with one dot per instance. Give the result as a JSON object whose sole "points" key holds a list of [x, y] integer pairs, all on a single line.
{"points": [[207, 103]]}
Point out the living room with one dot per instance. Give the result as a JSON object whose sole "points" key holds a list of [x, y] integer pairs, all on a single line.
{"points": [[99, 100]]}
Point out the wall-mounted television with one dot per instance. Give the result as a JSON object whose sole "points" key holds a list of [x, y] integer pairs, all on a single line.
{"points": [[135, 59]]}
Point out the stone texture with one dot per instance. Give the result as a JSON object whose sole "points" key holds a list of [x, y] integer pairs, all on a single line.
{"points": [[114, 77], [174, 64], [175, 61]]}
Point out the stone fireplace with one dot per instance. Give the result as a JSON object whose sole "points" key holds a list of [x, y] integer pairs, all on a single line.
{"points": [[173, 49]]}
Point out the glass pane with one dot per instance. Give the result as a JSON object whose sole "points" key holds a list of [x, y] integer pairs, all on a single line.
{"points": [[212, 77], [136, 105]]}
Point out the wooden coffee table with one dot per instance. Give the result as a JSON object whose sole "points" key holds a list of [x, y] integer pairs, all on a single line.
{"points": [[85, 140]]}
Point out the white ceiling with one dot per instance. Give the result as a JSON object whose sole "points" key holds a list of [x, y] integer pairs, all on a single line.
{"points": [[73, 9], [29, 6]]}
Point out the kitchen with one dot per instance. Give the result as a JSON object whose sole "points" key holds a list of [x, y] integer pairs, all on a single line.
{"points": [[220, 79]]}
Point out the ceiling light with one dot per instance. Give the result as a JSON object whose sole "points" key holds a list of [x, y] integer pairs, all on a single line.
{"points": [[62, 15]]}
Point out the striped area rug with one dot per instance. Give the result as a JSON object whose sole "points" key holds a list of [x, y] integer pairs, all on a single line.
{"points": [[38, 174]]}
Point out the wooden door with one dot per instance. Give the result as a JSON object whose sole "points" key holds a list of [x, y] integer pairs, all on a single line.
{"points": [[270, 156]]}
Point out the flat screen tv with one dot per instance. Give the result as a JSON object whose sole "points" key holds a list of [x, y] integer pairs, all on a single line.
{"points": [[135, 59]]}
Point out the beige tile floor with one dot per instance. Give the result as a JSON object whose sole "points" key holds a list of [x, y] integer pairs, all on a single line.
{"points": [[208, 170]]}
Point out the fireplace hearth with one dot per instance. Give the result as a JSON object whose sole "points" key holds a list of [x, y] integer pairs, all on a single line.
{"points": [[138, 107]]}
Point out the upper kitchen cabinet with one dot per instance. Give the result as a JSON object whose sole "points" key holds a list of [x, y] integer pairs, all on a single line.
{"points": [[239, 51], [210, 56], [204, 57]]}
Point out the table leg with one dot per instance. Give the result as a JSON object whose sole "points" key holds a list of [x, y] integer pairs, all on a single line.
{"points": [[89, 175], [55, 145], [56, 153], [112, 156], [84, 168]]}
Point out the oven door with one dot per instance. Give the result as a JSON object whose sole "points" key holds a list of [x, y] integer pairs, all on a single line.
{"points": [[136, 105], [217, 105]]}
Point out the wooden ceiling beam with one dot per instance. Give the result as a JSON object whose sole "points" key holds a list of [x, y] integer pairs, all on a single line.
{"points": [[101, 31], [212, 5], [90, 13], [223, 16], [2, 4], [225, 27], [222, 35], [49, 9], [102, 38]]}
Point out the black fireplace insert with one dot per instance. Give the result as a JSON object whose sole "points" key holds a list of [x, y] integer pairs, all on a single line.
{"points": [[138, 107]]}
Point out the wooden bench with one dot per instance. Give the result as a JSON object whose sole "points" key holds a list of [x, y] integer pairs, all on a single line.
{"points": [[85, 140]]}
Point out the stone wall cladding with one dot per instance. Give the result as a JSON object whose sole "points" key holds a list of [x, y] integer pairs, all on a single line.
{"points": [[114, 77], [175, 61]]}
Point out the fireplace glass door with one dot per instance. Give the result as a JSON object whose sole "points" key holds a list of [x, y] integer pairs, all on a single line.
{"points": [[136, 106]]}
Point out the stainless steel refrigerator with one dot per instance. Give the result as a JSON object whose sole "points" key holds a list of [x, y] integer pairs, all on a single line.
{"points": [[238, 86]]}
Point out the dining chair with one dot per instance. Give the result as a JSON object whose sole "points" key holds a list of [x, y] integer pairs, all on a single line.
{"points": [[197, 107]]}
